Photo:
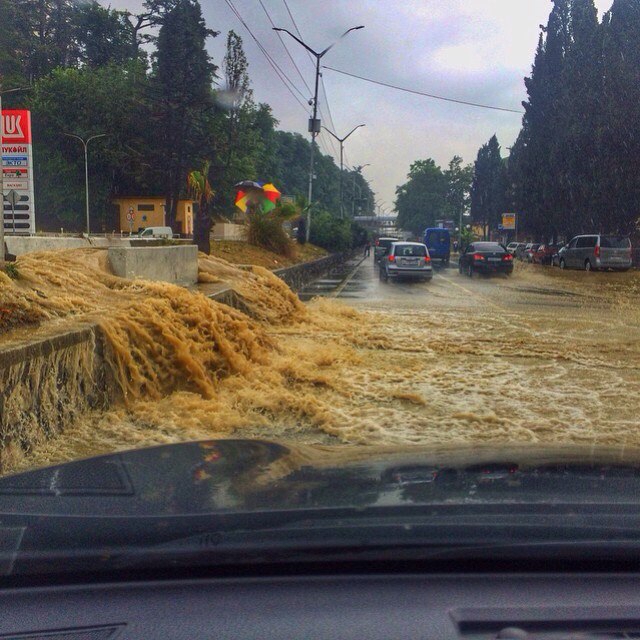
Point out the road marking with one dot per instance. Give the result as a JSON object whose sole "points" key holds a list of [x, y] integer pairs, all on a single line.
{"points": [[339, 289], [472, 293]]}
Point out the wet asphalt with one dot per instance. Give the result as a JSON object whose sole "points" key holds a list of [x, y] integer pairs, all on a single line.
{"points": [[357, 283]]}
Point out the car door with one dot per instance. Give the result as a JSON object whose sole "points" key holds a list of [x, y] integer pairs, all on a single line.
{"points": [[464, 258], [570, 253], [581, 252]]}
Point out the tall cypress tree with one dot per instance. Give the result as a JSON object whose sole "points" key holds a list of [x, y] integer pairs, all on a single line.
{"points": [[620, 135], [183, 77], [489, 187]]}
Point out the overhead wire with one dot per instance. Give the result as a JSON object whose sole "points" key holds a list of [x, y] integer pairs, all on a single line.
{"points": [[279, 72], [336, 151], [424, 93]]}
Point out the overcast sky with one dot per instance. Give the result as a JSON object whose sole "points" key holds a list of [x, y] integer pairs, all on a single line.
{"points": [[474, 50]]}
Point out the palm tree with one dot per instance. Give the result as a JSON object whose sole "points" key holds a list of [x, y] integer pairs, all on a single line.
{"points": [[200, 190]]}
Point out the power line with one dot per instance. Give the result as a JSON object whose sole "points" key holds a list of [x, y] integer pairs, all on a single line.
{"points": [[279, 72], [285, 47], [330, 119], [422, 93]]}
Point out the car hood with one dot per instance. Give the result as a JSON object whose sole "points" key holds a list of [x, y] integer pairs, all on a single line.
{"points": [[223, 500], [226, 476]]}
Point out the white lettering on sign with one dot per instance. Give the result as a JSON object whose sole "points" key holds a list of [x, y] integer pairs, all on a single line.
{"points": [[13, 126]]}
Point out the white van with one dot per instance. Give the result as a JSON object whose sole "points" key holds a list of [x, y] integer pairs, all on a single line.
{"points": [[156, 232]]}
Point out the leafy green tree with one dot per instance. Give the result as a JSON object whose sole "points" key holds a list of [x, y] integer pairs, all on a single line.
{"points": [[103, 35], [423, 198], [459, 179]]}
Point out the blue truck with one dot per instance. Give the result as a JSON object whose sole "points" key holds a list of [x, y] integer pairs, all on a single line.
{"points": [[438, 241]]}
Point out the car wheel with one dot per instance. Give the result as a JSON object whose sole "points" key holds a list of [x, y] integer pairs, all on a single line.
{"points": [[587, 266], [470, 271], [383, 275], [563, 264]]}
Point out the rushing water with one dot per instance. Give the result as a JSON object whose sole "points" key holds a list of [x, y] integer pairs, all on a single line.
{"points": [[538, 358]]}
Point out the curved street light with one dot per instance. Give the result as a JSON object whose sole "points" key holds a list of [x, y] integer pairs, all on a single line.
{"points": [[85, 144], [341, 141], [314, 125]]}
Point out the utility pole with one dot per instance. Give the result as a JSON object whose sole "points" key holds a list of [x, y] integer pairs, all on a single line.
{"points": [[314, 123], [2, 166], [85, 144], [341, 141]]}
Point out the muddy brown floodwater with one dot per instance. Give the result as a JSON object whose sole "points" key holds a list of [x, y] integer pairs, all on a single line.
{"points": [[542, 357]]}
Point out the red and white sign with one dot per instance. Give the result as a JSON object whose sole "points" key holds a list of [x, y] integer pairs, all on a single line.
{"points": [[17, 169], [17, 126]]}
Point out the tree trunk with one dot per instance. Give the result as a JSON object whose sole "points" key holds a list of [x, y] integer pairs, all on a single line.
{"points": [[202, 231]]}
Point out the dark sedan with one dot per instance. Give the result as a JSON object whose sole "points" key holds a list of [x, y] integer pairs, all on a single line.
{"points": [[485, 257]]}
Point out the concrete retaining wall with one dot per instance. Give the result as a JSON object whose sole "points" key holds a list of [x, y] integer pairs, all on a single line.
{"points": [[302, 274], [19, 245], [168, 264], [228, 231]]}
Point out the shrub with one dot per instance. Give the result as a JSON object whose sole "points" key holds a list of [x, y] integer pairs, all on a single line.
{"points": [[330, 232], [266, 231]]}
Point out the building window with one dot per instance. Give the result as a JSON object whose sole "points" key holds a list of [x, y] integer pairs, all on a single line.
{"points": [[146, 207]]}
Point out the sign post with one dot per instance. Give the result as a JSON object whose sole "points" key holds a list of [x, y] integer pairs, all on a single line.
{"points": [[17, 166], [13, 197]]}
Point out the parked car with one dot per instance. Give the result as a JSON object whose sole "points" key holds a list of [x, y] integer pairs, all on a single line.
{"points": [[156, 232], [530, 249], [438, 241], [521, 249], [556, 257], [485, 257], [595, 252], [406, 259], [512, 246], [544, 253], [382, 246]]}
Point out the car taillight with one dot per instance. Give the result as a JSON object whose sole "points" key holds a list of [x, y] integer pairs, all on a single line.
{"points": [[478, 256], [597, 251], [427, 259], [392, 258], [507, 257], [377, 243]]}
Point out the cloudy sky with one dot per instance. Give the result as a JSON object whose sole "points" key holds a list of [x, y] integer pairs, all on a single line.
{"points": [[473, 50]]}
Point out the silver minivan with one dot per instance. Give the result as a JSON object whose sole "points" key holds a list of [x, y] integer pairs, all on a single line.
{"points": [[594, 252]]}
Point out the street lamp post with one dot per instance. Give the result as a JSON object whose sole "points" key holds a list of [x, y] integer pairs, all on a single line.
{"points": [[341, 141], [314, 124], [85, 144], [2, 165]]}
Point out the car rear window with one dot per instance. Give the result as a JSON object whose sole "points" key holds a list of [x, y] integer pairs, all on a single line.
{"points": [[387, 242], [410, 250], [487, 246], [614, 242]]}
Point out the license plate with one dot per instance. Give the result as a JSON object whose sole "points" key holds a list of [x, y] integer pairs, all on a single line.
{"points": [[494, 260]]}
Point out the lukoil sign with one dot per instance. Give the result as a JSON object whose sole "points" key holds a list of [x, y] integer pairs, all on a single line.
{"points": [[17, 171]]}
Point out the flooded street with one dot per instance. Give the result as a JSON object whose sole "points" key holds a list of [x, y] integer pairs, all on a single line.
{"points": [[544, 356]]}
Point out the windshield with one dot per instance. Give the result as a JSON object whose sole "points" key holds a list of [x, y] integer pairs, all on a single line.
{"points": [[199, 199], [410, 250]]}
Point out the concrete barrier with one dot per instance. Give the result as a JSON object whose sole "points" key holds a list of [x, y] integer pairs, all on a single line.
{"points": [[300, 275], [19, 245], [178, 265]]}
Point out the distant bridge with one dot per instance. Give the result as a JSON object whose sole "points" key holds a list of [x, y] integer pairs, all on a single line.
{"points": [[377, 223]]}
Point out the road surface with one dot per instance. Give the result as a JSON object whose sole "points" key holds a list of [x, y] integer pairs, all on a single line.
{"points": [[544, 356]]}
